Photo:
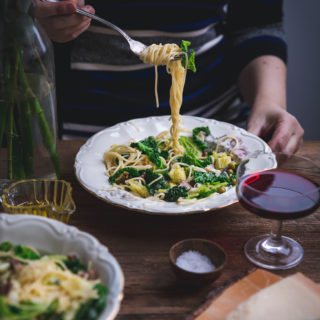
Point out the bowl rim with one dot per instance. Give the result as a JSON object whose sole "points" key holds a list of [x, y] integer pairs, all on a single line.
{"points": [[217, 269]]}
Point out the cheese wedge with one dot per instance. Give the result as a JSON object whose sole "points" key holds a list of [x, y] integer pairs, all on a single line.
{"points": [[293, 298]]}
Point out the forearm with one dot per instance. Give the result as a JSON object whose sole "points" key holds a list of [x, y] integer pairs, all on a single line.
{"points": [[262, 82], [263, 85]]}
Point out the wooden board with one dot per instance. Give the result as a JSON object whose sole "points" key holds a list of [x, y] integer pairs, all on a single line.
{"points": [[219, 307]]}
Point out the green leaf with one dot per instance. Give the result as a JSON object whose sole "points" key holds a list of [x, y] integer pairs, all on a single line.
{"points": [[150, 147], [25, 253], [133, 172], [191, 159], [74, 265], [160, 184], [23, 311], [191, 56], [184, 45], [195, 133], [91, 309], [175, 193], [209, 177], [190, 146], [5, 246]]}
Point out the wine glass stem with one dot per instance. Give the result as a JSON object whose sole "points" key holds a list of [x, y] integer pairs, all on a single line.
{"points": [[274, 244], [276, 230]]}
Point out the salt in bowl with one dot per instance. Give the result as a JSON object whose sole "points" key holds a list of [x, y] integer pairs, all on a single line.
{"points": [[199, 248]]}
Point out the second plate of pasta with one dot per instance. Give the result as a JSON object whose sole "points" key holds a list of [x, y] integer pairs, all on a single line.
{"points": [[94, 168]]}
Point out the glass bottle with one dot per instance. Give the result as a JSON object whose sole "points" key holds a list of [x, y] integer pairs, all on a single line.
{"points": [[28, 131]]}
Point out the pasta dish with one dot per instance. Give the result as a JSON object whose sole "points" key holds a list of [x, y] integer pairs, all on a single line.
{"points": [[36, 287], [173, 167]]}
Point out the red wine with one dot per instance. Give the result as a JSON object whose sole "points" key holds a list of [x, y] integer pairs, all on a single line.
{"points": [[279, 194]]}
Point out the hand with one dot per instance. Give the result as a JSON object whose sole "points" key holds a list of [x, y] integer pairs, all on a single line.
{"points": [[60, 21], [284, 129]]}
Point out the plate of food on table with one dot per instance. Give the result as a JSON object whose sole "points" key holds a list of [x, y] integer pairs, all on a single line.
{"points": [[57, 272], [169, 164]]}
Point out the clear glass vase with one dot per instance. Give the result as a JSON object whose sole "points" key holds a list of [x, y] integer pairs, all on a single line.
{"points": [[28, 130]]}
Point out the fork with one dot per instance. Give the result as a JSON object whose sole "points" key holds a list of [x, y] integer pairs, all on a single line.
{"points": [[136, 47]]}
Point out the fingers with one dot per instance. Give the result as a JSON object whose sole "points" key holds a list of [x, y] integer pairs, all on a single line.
{"points": [[258, 125], [69, 33], [287, 136], [51, 9], [60, 21]]}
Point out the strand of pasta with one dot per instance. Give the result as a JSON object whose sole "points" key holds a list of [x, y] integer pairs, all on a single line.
{"points": [[162, 55]]}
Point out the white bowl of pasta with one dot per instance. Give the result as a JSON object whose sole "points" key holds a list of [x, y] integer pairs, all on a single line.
{"points": [[44, 273], [102, 160]]}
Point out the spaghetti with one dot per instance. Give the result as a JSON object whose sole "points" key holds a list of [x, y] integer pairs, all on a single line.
{"points": [[171, 167], [163, 55], [36, 286]]}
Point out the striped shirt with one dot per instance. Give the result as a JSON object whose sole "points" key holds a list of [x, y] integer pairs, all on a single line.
{"points": [[100, 82]]}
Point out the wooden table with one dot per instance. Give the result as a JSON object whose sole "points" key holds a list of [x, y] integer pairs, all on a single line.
{"points": [[141, 243]]}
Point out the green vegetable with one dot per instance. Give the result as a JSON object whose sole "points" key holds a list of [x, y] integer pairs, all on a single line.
{"points": [[195, 138], [23, 311], [160, 184], [175, 193], [190, 159], [74, 265], [5, 246], [150, 147], [210, 177], [164, 154], [191, 56], [190, 146], [133, 172], [50, 312], [25, 253], [93, 307]]}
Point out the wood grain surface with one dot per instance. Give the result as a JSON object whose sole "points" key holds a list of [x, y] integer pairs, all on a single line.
{"points": [[141, 243]]}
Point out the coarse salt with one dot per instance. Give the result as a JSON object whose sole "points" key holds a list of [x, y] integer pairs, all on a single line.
{"points": [[194, 261]]}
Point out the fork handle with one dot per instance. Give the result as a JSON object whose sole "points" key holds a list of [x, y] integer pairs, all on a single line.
{"points": [[103, 21]]}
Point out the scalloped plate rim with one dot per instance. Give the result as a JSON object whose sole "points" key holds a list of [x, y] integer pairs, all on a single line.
{"points": [[131, 204]]}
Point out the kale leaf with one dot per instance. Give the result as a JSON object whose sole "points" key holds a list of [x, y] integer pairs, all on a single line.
{"points": [[74, 265], [191, 56], [91, 309], [191, 159], [160, 184], [173, 194], [195, 138], [23, 311], [25, 253], [150, 147], [5, 246], [190, 146], [133, 172], [211, 178]]}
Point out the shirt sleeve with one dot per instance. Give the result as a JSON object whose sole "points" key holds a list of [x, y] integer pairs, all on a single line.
{"points": [[255, 28]]}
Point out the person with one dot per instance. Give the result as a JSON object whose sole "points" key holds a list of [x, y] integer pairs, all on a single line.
{"points": [[241, 57]]}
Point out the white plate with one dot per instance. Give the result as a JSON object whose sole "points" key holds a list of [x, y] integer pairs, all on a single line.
{"points": [[91, 172], [51, 236]]}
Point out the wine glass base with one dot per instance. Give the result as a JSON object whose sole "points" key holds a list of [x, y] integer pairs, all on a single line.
{"points": [[286, 256]]}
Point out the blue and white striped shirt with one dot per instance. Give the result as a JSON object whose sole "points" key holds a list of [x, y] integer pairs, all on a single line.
{"points": [[103, 83]]}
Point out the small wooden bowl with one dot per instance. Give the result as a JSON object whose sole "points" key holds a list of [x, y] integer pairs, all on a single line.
{"points": [[206, 247]]}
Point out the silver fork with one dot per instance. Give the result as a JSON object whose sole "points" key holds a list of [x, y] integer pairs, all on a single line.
{"points": [[136, 47]]}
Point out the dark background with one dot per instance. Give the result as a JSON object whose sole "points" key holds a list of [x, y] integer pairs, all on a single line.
{"points": [[302, 25]]}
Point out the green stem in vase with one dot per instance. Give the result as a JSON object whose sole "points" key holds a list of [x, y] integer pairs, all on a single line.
{"points": [[25, 128], [18, 159], [12, 87], [37, 112], [4, 105]]}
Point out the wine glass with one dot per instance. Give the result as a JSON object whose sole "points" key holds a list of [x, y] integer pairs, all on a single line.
{"points": [[290, 190]]}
